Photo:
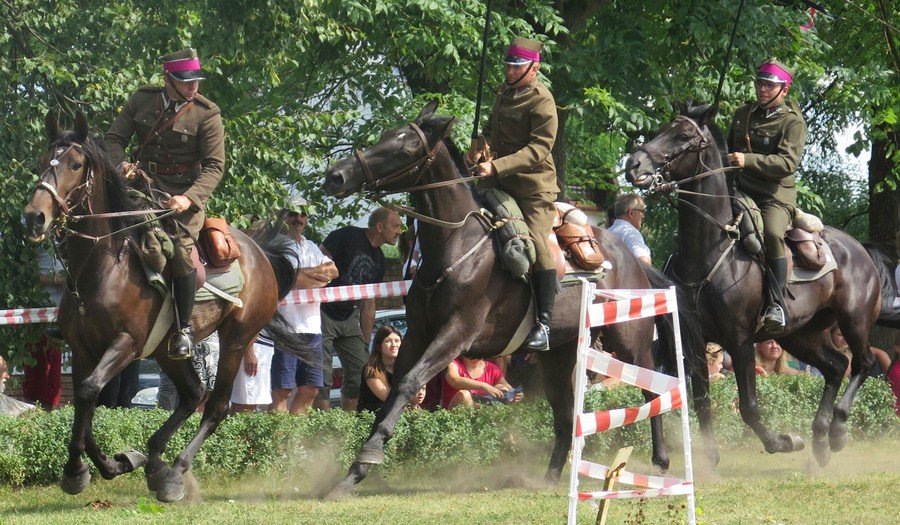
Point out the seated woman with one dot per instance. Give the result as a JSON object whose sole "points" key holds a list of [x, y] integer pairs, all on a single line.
{"points": [[715, 358], [771, 359], [377, 374], [468, 381]]}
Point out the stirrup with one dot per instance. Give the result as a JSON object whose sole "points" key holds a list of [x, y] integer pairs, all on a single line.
{"points": [[773, 320], [538, 339], [180, 345]]}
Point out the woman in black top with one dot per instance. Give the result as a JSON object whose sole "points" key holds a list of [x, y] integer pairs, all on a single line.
{"points": [[376, 379]]}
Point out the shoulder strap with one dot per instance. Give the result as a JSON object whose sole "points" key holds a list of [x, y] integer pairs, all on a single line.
{"points": [[159, 128], [747, 128]]}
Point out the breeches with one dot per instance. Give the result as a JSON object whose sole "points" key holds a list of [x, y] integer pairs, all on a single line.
{"points": [[777, 218], [184, 242], [539, 213]]}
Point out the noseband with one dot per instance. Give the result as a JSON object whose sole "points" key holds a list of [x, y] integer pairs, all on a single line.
{"points": [[52, 189], [417, 166]]}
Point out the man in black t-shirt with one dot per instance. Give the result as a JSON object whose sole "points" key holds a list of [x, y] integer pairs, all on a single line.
{"points": [[347, 325]]}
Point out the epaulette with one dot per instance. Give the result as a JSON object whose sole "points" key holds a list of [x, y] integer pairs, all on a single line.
{"points": [[151, 88], [205, 102]]}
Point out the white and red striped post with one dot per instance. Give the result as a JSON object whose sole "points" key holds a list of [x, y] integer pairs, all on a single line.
{"points": [[630, 305]]}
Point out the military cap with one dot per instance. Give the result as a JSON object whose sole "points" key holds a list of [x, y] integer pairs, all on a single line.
{"points": [[522, 51], [183, 65], [774, 71]]}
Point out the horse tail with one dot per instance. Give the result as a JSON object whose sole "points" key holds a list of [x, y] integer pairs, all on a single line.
{"points": [[890, 310], [279, 250], [692, 342]]}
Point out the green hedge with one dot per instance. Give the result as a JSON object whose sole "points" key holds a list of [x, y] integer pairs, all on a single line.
{"points": [[33, 447]]}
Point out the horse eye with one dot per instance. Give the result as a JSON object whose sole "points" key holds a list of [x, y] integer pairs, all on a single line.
{"points": [[76, 165]]}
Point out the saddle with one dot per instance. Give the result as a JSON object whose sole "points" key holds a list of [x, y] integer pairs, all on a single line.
{"points": [[572, 243]]}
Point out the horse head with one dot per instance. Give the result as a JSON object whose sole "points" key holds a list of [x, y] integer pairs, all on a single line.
{"points": [[666, 157], [66, 174], [398, 161]]}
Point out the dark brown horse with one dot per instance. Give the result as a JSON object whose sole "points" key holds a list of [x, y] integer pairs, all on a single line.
{"points": [[109, 309], [461, 300], [728, 283]]}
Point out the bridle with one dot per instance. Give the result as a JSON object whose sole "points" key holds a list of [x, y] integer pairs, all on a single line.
{"points": [[64, 202], [417, 166], [696, 144]]}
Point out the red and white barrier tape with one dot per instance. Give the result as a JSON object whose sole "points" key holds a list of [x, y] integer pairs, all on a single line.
{"points": [[597, 471], [605, 364], [319, 295], [648, 305], [684, 489], [603, 420]]}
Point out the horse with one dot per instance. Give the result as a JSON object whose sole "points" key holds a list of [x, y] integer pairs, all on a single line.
{"points": [[461, 300], [109, 308], [689, 156]]}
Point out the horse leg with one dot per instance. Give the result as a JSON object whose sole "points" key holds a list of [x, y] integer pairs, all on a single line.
{"points": [[75, 477], [449, 343], [231, 351], [701, 398], [558, 365], [745, 373], [190, 391], [856, 335]]}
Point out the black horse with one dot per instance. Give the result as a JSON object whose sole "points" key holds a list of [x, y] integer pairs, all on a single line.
{"points": [[462, 301], [728, 283], [109, 309]]}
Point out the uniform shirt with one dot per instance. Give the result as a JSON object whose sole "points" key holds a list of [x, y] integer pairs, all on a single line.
{"points": [[305, 318], [521, 131], [197, 136], [357, 261], [772, 142], [631, 236]]}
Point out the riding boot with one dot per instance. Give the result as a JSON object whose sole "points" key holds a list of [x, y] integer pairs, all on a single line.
{"points": [[775, 318], [185, 288], [538, 339]]}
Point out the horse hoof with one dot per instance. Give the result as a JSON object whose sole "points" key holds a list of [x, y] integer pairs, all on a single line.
{"points": [[155, 479], [132, 459], [171, 489], [794, 443], [821, 452], [77, 483], [662, 464], [370, 456], [342, 490], [837, 439]]}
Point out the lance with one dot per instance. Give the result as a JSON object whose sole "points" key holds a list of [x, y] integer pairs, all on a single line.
{"points": [[484, 39], [737, 20]]}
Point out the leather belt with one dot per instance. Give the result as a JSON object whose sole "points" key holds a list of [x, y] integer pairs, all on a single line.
{"points": [[169, 169]]}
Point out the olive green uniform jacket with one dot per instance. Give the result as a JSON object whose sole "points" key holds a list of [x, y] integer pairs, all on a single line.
{"points": [[197, 137], [772, 142], [521, 131]]}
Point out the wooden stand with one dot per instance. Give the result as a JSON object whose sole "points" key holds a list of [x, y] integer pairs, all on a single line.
{"points": [[616, 466]]}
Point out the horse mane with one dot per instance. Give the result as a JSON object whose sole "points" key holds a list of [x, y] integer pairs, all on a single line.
{"points": [[456, 155], [104, 171]]}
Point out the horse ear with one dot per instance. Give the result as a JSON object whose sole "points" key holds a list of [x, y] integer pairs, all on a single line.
{"points": [[704, 114], [427, 111], [81, 127], [441, 127], [710, 114], [51, 125]]}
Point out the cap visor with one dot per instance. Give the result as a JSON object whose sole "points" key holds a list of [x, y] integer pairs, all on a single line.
{"points": [[187, 76], [515, 61], [768, 77]]}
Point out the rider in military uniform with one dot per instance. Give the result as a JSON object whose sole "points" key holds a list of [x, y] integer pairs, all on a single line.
{"points": [[767, 139], [181, 147], [521, 131]]}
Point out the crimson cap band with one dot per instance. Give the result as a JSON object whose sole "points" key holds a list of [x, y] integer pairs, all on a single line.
{"points": [[774, 71], [183, 65], [522, 51]]}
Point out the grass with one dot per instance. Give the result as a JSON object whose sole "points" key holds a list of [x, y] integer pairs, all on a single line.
{"points": [[749, 487]]}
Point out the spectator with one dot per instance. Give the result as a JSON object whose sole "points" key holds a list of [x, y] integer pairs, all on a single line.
{"points": [[418, 400], [122, 388], [882, 358], [347, 325], [715, 357], [771, 359], [630, 210], [205, 359], [253, 383], [468, 381], [8, 405], [379, 372], [410, 253], [315, 270], [42, 380]]}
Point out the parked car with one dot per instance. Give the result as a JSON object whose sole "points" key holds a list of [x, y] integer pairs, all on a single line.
{"points": [[149, 370]]}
